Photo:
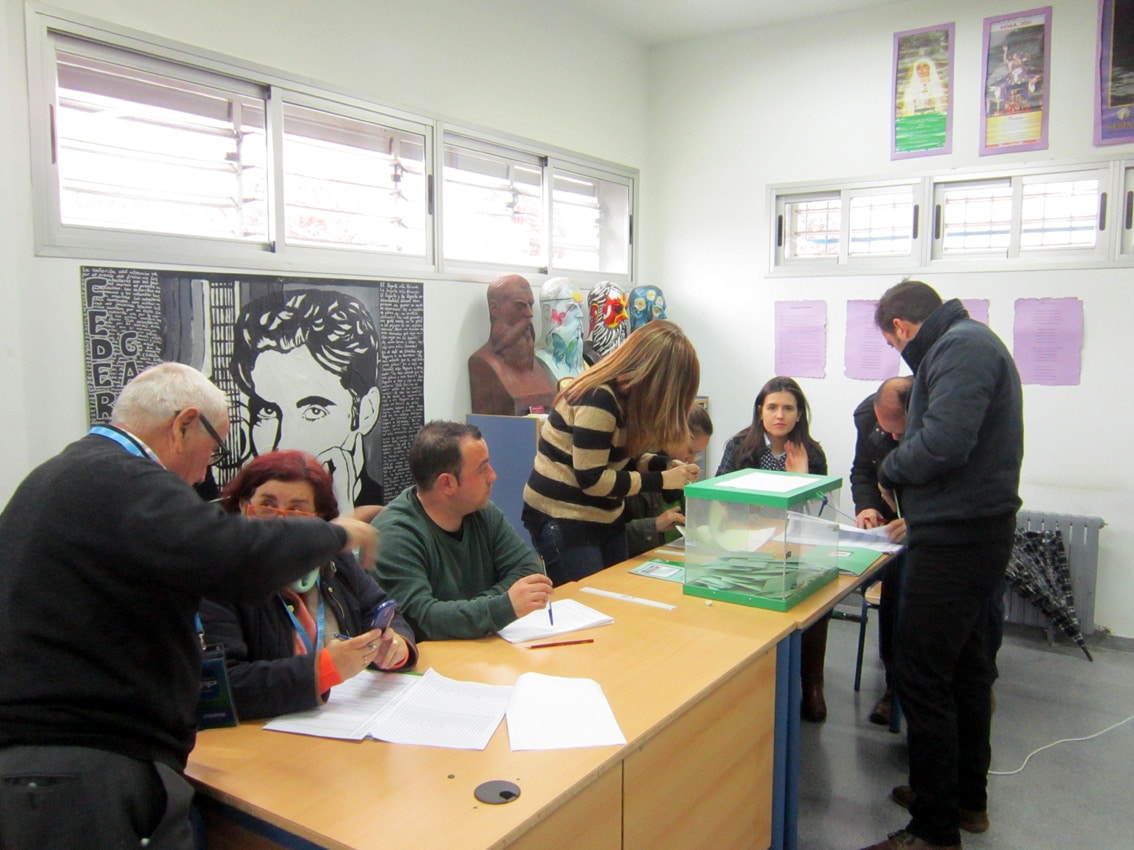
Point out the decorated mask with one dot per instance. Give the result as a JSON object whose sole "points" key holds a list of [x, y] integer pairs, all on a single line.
{"points": [[646, 304], [561, 313], [609, 320]]}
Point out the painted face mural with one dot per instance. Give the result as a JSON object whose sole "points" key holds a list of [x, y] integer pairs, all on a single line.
{"points": [[646, 304]]}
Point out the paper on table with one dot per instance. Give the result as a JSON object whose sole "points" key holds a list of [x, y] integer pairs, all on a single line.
{"points": [[570, 616], [762, 481], [351, 709], [552, 712], [443, 712], [668, 570], [430, 710], [876, 539]]}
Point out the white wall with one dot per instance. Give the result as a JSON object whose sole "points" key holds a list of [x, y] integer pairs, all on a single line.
{"points": [[810, 101], [509, 66], [711, 123]]}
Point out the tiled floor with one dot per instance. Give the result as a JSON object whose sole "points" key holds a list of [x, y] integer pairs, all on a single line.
{"points": [[1078, 796]]}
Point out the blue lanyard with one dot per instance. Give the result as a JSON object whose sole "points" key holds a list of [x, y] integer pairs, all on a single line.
{"points": [[302, 632], [121, 439]]}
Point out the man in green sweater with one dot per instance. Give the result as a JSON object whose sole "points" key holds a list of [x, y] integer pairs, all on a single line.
{"points": [[447, 554]]}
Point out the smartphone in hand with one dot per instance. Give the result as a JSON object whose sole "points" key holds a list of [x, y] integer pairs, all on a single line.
{"points": [[384, 615]]}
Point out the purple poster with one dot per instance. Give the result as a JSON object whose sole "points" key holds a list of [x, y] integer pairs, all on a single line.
{"points": [[922, 115], [1047, 340], [868, 357], [978, 308], [801, 338], [1017, 57], [1114, 78]]}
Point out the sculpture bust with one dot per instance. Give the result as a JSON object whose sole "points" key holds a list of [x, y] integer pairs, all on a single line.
{"points": [[504, 376]]}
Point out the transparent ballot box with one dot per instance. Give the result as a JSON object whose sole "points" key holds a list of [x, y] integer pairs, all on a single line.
{"points": [[754, 537]]}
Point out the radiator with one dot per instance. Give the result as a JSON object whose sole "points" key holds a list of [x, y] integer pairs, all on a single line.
{"points": [[1081, 539]]}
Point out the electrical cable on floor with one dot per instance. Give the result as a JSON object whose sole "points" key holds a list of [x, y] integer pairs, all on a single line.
{"points": [[1061, 741]]}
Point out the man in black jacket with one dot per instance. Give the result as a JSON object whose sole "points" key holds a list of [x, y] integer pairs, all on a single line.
{"points": [[955, 479], [105, 553], [880, 420]]}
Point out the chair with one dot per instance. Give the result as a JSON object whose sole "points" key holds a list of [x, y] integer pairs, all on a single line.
{"points": [[872, 598]]}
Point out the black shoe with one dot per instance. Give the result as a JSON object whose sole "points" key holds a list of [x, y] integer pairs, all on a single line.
{"points": [[970, 820], [812, 707]]}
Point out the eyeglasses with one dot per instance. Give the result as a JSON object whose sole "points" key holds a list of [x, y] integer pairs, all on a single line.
{"points": [[268, 512], [220, 453]]}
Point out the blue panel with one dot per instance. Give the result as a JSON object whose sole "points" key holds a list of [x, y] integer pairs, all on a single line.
{"points": [[511, 450]]}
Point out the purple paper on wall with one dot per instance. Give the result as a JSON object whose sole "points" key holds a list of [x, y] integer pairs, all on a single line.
{"points": [[1047, 340], [801, 338], [868, 357]]}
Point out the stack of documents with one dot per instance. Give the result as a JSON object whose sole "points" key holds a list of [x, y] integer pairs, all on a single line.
{"points": [[569, 614], [544, 712], [429, 710]]}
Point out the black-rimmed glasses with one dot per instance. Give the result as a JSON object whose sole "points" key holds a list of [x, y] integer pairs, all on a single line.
{"points": [[220, 453]]}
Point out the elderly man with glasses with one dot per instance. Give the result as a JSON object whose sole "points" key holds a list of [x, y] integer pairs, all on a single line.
{"points": [[105, 554]]}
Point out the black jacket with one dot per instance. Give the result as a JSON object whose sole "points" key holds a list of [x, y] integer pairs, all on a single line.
{"points": [[104, 558], [870, 449], [957, 468], [266, 675]]}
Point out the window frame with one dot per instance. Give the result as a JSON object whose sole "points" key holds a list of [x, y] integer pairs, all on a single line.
{"points": [[843, 262], [54, 239], [1114, 245]]}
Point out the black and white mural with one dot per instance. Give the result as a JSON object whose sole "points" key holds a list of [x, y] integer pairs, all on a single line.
{"points": [[335, 368]]}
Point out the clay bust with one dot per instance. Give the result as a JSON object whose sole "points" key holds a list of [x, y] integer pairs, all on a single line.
{"points": [[561, 319], [504, 376], [609, 321], [646, 304]]}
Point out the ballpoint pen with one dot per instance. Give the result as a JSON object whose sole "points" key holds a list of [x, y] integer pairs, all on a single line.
{"points": [[543, 569]]}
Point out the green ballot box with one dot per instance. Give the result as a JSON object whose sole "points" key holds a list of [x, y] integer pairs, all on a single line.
{"points": [[756, 537]]}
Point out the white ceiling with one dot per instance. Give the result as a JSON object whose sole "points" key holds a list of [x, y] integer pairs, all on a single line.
{"points": [[654, 22]]}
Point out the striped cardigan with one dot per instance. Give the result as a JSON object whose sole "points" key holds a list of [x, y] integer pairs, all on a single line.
{"points": [[582, 472]]}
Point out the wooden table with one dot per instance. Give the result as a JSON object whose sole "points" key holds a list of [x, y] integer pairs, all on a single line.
{"points": [[707, 696]]}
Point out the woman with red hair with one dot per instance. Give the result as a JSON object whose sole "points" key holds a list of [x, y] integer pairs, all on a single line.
{"points": [[285, 653]]}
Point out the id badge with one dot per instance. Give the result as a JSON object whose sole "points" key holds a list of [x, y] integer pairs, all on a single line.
{"points": [[215, 708]]}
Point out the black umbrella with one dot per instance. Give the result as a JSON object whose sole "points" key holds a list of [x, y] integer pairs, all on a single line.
{"points": [[1039, 572]]}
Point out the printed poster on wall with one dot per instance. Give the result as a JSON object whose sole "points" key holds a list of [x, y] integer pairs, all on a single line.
{"points": [[923, 88], [801, 338], [1114, 80], [1017, 57], [331, 367]]}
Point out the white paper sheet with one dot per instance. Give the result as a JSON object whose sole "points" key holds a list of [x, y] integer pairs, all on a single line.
{"points": [[875, 539], [351, 708], [570, 616], [762, 481], [552, 712], [429, 710], [443, 712]]}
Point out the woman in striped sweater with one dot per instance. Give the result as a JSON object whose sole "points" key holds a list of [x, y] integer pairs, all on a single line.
{"points": [[610, 435]]}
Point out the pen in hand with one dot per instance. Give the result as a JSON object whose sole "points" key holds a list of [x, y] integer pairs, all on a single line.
{"points": [[543, 569]]}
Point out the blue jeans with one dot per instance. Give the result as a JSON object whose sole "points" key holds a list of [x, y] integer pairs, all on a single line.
{"points": [[566, 561]]}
